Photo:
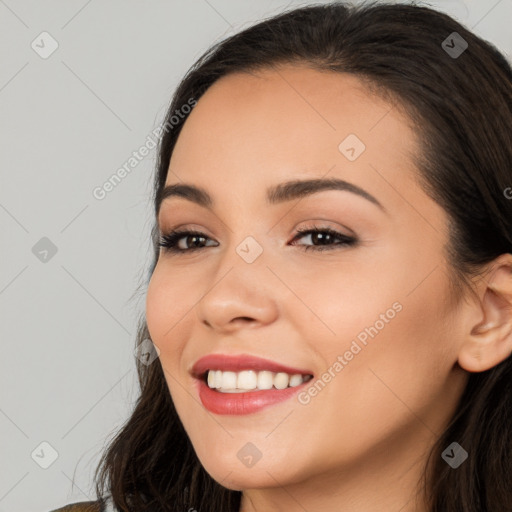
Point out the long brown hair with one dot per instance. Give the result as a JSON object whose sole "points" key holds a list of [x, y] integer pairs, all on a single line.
{"points": [[461, 108]]}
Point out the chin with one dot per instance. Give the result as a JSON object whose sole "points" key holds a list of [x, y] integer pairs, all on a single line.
{"points": [[231, 473], [245, 478]]}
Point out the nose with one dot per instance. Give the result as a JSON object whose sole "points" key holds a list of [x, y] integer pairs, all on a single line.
{"points": [[240, 297]]}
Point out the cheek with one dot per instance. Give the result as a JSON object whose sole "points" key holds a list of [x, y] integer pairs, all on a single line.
{"points": [[167, 306], [155, 307], [405, 362], [398, 347], [167, 323], [340, 305]]}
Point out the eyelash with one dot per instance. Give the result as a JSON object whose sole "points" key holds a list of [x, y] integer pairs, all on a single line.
{"points": [[170, 241]]}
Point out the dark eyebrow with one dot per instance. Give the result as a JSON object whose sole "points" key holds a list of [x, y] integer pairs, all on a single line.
{"points": [[276, 194]]}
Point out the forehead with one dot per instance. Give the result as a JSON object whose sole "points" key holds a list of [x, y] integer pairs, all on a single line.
{"points": [[274, 124]]}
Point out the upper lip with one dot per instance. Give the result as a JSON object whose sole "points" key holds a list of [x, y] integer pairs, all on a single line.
{"points": [[237, 363]]}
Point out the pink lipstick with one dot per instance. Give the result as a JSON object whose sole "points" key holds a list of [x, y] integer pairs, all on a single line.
{"points": [[245, 384]]}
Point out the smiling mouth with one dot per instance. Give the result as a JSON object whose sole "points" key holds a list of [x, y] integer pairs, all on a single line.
{"points": [[251, 380]]}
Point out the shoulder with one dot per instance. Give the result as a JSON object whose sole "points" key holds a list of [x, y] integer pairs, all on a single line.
{"points": [[82, 506]]}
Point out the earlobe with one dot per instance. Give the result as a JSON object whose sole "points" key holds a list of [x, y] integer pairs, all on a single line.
{"points": [[489, 342]]}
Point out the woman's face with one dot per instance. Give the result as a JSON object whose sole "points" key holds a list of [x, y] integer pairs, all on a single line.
{"points": [[373, 321]]}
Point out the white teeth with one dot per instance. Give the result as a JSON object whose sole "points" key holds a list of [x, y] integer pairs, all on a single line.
{"points": [[281, 380], [246, 380], [218, 379], [295, 380], [265, 380], [228, 380]]}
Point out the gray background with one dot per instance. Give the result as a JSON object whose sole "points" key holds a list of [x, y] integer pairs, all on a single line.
{"points": [[68, 122]]}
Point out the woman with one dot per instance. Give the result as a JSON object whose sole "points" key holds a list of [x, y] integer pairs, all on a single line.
{"points": [[331, 291]]}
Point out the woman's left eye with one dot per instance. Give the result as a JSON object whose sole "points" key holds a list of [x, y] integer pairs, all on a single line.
{"points": [[324, 236]]}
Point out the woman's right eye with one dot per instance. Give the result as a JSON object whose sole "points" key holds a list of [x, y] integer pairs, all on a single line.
{"points": [[171, 241]]}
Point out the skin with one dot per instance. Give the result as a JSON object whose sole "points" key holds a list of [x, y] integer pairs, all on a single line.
{"points": [[359, 444]]}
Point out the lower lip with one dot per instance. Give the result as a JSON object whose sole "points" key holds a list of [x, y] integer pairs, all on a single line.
{"points": [[243, 403]]}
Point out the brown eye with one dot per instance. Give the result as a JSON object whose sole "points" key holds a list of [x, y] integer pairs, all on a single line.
{"points": [[193, 239], [324, 237]]}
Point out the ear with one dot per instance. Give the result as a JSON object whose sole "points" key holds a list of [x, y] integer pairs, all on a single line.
{"points": [[488, 342]]}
